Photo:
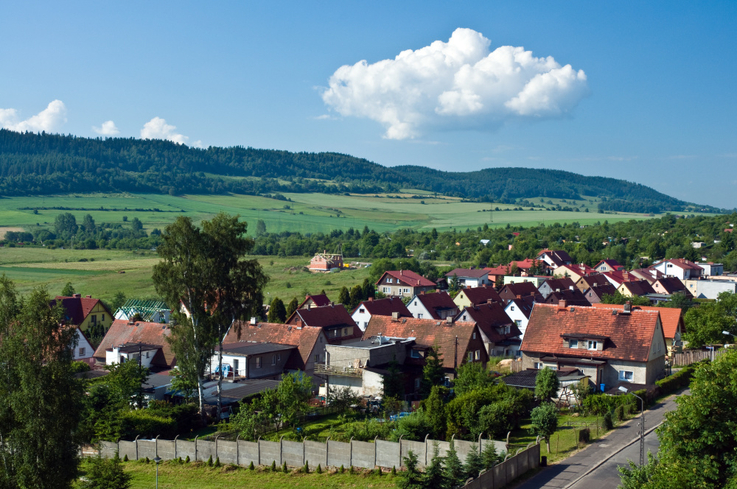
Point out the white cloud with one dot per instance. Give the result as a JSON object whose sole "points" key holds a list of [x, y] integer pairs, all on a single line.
{"points": [[49, 119], [107, 128], [157, 128], [460, 83]]}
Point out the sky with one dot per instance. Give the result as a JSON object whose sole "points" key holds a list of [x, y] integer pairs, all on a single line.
{"points": [[641, 91]]}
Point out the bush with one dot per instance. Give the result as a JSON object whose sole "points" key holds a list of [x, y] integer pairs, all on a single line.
{"points": [[273, 465], [250, 466], [146, 425], [318, 469], [608, 423], [341, 469], [217, 462], [284, 468], [106, 474], [78, 367], [306, 468], [584, 436], [209, 461], [619, 413]]}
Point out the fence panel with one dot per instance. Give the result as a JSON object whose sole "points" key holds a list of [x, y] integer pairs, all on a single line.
{"points": [[227, 451], [205, 450], [166, 449], [315, 453], [247, 452], [270, 451], [339, 453], [293, 453], [387, 454], [147, 448], [108, 449], [364, 454]]}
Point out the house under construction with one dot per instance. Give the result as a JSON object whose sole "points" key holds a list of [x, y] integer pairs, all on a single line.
{"points": [[324, 262]]}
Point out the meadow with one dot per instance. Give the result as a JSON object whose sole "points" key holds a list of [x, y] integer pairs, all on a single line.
{"points": [[103, 273], [304, 213]]}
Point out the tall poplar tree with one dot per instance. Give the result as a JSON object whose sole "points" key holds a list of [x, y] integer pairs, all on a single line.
{"points": [[41, 399]]}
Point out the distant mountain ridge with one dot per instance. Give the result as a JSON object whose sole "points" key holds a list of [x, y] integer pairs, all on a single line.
{"points": [[38, 164]]}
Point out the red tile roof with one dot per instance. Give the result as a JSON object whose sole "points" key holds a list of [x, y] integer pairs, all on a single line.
{"points": [[408, 277], [685, 264], [572, 297], [630, 336], [617, 278], [304, 338], [436, 301], [600, 291], [670, 317], [488, 317], [671, 285], [467, 272], [328, 317], [649, 274], [481, 295], [428, 333], [558, 284], [511, 291], [500, 270], [525, 264], [77, 307], [559, 257], [578, 268], [595, 278], [121, 332], [611, 263], [386, 307], [639, 287], [315, 301]]}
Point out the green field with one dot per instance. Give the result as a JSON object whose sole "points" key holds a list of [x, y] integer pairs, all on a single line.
{"points": [[106, 272], [306, 213]]}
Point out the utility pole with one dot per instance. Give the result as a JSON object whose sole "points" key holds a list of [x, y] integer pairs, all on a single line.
{"points": [[642, 424]]}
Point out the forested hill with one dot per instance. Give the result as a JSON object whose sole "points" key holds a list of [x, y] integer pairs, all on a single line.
{"points": [[34, 164]]}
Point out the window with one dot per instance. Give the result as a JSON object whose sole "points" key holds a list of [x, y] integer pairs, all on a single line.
{"points": [[415, 354], [477, 355], [419, 315], [474, 333], [518, 322], [362, 310], [388, 280], [317, 357], [386, 290], [273, 359], [470, 356], [593, 345], [417, 384], [235, 366], [539, 365], [278, 357], [335, 333], [103, 318], [627, 375], [258, 362], [147, 354], [572, 343], [81, 352], [345, 331], [94, 319]]}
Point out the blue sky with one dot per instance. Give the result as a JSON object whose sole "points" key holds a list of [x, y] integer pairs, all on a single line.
{"points": [[639, 91]]}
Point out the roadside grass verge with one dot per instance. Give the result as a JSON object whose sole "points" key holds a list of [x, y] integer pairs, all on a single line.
{"points": [[198, 475]]}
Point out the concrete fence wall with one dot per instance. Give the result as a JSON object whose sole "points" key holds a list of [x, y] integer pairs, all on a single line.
{"points": [[380, 453], [507, 471]]}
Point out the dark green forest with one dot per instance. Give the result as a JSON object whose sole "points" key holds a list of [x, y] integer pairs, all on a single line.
{"points": [[43, 164]]}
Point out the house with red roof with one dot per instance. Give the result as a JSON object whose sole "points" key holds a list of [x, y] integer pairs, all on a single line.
{"points": [[553, 259], [518, 290], [608, 266], [594, 280], [649, 274], [476, 296], [469, 277], [499, 332], [458, 342], [438, 305], [84, 312], [137, 341], [403, 283], [670, 286], [306, 347], [519, 311], [617, 278], [595, 294], [390, 306], [635, 288], [671, 318], [556, 285], [527, 266], [497, 273], [317, 300], [335, 321], [624, 345], [575, 272], [680, 268], [572, 297]]}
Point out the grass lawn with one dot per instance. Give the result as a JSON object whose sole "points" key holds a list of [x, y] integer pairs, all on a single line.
{"points": [[200, 476]]}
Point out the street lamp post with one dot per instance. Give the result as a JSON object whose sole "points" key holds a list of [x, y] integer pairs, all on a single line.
{"points": [[157, 460], [642, 424]]}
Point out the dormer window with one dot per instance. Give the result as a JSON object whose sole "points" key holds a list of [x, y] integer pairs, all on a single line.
{"points": [[415, 354], [572, 343], [592, 345]]}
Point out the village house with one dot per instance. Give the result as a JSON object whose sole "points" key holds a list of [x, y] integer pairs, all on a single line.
{"points": [[520, 289], [618, 277], [527, 267], [536, 280], [84, 312], [438, 305], [137, 341], [711, 269], [403, 283], [469, 277], [574, 272], [325, 262], [282, 339], [457, 342], [594, 280], [649, 274], [312, 300], [608, 266], [499, 332], [390, 306], [497, 273], [250, 360], [670, 286], [476, 296], [680, 268], [710, 289], [573, 297], [335, 321], [596, 293], [556, 285], [553, 259], [519, 311], [149, 311], [671, 319], [636, 288], [609, 346]]}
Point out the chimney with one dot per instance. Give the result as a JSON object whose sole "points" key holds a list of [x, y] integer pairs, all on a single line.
{"points": [[519, 297], [253, 319], [77, 296], [395, 316], [489, 301], [562, 304], [627, 308], [88, 296], [449, 320]]}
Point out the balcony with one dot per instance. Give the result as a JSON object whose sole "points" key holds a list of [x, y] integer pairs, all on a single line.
{"points": [[335, 370]]}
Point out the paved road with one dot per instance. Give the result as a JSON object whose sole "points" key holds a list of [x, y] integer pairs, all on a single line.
{"points": [[596, 465]]}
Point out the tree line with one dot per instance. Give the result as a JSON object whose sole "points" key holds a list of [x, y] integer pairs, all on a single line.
{"points": [[37, 164]]}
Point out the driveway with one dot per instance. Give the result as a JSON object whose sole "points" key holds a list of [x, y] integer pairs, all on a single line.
{"points": [[598, 461]]}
